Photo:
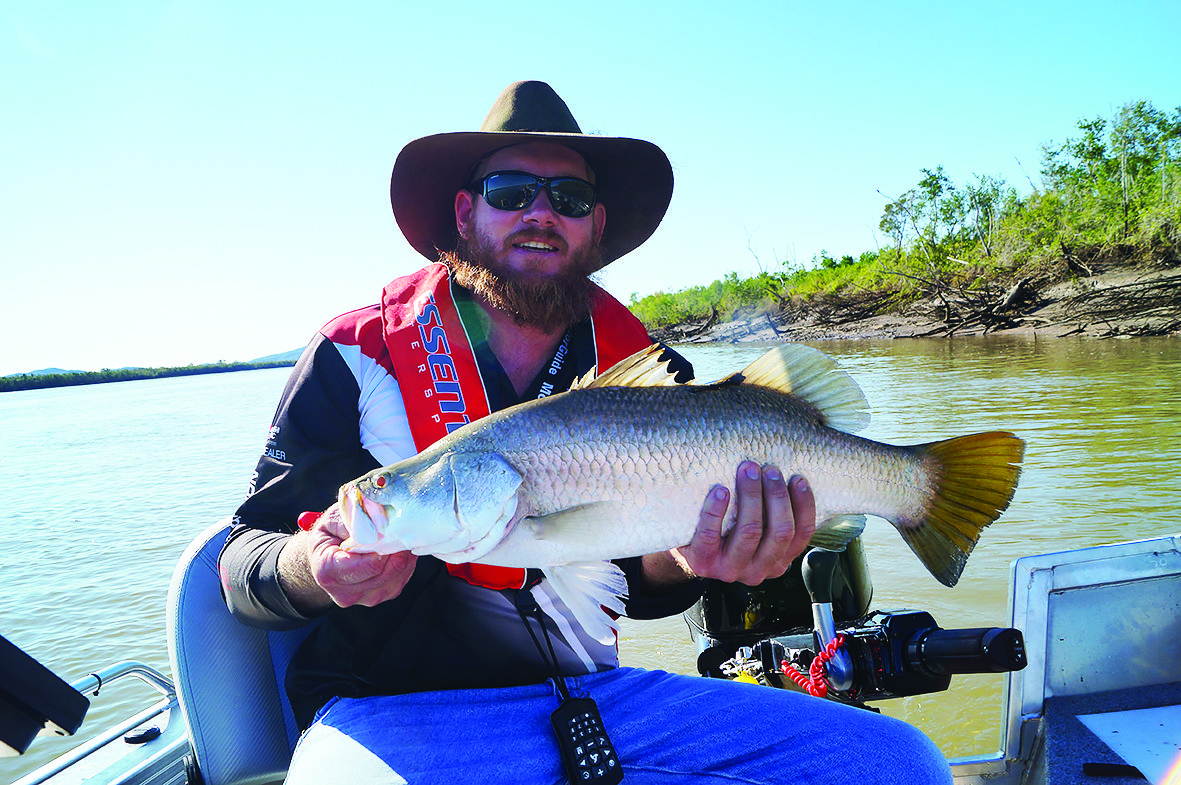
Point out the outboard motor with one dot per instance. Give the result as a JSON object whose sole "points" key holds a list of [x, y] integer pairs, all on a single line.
{"points": [[773, 632], [731, 615]]}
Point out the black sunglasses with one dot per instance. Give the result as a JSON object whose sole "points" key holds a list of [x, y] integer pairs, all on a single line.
{"points": [[569, 196]]}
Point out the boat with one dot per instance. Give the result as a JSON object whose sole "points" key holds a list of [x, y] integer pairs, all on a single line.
{"points": [[1075, 677]]}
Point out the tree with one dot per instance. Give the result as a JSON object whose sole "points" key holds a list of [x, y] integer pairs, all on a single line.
{"points": [[1116, 169], [988, 200], [893, 224], [934, 211]]}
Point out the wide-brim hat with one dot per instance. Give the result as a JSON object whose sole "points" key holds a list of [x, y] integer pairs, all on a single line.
{"points": [[633, 178]]}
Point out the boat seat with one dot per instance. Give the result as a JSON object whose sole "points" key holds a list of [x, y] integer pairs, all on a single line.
{"points": [[229, 677]]}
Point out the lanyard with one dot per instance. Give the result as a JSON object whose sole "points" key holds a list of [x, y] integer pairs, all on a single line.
{"points": [[586, 751]]}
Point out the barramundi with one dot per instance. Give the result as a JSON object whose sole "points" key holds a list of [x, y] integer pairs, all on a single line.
{"points": [[621, 464]]}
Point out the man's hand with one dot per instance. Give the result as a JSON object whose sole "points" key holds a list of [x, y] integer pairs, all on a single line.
{"points": [[316, 572], [773, 522]]}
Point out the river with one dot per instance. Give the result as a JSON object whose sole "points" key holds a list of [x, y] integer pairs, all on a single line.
{"points": [[101, 488]]}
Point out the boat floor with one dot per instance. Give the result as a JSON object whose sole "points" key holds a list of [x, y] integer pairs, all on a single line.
{"points": [[1069, 744]]}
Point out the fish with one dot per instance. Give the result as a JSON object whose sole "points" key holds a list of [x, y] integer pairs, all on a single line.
{"points": [[620, 464]]}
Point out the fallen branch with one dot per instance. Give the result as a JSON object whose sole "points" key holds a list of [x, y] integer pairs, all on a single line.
{"points": [[1157, 303]]}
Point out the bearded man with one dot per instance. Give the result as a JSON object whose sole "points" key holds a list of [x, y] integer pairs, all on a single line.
{"points": [[524, 274], [420, 671]]}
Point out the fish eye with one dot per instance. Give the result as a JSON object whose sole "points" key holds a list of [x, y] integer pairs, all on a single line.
{"points": [[379, 481]]}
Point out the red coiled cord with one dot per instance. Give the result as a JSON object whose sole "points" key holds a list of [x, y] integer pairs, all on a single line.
{"points": [[815, 682]]}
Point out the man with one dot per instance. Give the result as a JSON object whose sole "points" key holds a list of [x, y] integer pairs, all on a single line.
{"points": [[427, 672]]}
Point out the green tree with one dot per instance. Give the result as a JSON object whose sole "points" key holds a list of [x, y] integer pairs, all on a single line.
{"points": [[933, 211], [987, 201], [1116, 170]]}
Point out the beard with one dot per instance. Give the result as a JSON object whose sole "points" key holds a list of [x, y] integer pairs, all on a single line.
{"points": [[544, 302]]}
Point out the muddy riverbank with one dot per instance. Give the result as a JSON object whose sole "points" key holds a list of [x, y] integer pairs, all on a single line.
{"points": [[1119, 301]]}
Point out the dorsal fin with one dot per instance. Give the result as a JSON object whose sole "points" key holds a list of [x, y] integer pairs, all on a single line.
{"points": [[733, 380], [642, 369], [814, 377], [804, 372]]}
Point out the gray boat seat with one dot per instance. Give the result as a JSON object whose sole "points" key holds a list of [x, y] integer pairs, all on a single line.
{"points": [[228, 676]]}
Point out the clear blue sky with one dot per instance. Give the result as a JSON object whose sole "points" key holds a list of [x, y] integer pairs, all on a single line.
{"points": [[206, 180]]}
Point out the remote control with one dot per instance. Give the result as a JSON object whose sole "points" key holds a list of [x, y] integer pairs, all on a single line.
{"points": [[587, 753]]}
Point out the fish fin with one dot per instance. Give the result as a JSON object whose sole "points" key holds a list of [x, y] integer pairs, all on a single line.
{"points": [[642, 369], [815, 378], [587, 588], [975, 478], [836, 535], [580, 526], [729, 381]]}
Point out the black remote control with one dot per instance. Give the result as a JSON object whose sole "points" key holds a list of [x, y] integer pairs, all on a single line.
{"points": [[587, 753]]}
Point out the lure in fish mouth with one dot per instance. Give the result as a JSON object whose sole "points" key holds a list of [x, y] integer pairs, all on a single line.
{"points": [[618, 466]]}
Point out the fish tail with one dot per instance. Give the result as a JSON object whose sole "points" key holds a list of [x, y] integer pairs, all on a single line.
{"points": [[974, 480]]}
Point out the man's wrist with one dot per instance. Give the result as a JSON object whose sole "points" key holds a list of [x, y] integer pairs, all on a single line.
{"points": [[296, 580], [665, 571]]}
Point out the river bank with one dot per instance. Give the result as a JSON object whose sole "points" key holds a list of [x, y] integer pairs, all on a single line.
{"points": [[44, 380], [1119, 301]]}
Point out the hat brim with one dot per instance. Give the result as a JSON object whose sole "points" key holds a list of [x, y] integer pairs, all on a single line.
{"points": [[633, 179]]}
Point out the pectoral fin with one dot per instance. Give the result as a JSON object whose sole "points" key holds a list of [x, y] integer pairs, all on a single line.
{"points": [[577, 527]]}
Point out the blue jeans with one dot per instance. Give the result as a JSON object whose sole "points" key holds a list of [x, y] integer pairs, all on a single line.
{"points": [[666, 728]]}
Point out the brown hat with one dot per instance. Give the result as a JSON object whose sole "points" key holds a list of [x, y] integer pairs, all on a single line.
{"points": [[633, 178]]}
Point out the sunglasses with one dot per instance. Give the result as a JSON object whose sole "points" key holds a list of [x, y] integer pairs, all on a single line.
{"points": [[569, 196]]}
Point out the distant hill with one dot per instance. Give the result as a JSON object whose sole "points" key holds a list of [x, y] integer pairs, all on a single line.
{"points": [[283, 357], [44, 372]]}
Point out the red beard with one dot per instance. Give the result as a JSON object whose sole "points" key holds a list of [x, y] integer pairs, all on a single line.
{"points": [[545, 302]]}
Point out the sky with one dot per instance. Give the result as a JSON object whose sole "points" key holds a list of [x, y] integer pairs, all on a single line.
{"points": [[195, 181]]}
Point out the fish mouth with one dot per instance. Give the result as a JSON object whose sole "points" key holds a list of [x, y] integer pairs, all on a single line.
{"points": [[374, 528], [376, 512], [365, 519]]}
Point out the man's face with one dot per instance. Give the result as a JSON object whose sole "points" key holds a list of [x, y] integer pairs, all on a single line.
{"points": [[532, 263], [536, 240]]}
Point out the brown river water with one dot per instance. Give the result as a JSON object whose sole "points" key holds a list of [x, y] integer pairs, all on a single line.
{"points": [[101, 488]]}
